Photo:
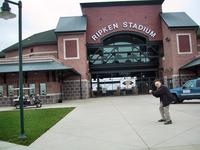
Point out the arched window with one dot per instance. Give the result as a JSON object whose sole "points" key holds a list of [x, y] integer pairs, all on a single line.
{"points": [[124, 39], [123, 48]]}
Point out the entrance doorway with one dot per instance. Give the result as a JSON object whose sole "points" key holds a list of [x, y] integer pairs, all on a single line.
{"points": [[122, 59], [117, 86]]}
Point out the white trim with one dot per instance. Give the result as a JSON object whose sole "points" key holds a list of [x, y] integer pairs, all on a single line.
{"points": [[182, 75], [29, 60], [34, 53], [51, 94], [77, 45], [177, 42], [75, 80]]}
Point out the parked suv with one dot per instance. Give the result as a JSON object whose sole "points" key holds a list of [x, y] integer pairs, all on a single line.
{"points": [[190, 90]]}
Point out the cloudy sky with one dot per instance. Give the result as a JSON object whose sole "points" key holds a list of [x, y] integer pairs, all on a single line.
{"points": [[42, 15]]}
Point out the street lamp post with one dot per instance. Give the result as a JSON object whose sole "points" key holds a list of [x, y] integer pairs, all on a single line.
{"points": [[6, 14]]}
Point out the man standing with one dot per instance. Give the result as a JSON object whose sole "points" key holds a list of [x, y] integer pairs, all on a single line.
{"points": [[165, 99]]}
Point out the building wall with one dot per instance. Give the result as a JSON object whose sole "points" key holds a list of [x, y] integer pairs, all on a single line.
{"points": [[71, 89], [81, 64], [53, 93], [101, 17], [172, 61], [198, 46], [37, 77], [40, 50], [71, 85], [31, 77]]}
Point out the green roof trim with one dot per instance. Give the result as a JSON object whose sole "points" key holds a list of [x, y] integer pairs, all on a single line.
{"points": [[71, 24], [33, 66], [42, 38], [195, 62], [178, 20], [121, 3]]}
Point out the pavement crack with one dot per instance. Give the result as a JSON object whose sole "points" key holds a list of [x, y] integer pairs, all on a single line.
{"points": [[166, 140], [130, 125]]}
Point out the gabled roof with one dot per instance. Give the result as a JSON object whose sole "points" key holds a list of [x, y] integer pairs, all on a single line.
{"points": [[121, 3], [43, 38], [178, 20], [71, 24]]}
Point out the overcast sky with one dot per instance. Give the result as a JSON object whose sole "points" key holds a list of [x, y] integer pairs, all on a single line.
{"points": [[42, 15]]}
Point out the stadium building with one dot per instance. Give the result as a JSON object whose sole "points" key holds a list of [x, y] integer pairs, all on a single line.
{"points": [[110, 45]]}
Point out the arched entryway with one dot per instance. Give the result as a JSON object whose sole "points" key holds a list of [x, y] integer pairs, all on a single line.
{"points": [[123, 56]]}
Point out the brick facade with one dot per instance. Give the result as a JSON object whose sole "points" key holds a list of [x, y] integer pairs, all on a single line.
{"points": [[172, 60], [100, 17], [83, 69], [102, 22], [40, 50]]}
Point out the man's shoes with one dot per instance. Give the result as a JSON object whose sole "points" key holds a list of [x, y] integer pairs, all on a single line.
{"points": [[168, 122], [161, 120]]}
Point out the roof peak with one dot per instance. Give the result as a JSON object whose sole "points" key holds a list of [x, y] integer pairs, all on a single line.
{"points": [[42, 38], [178, 20], [71, 24]]}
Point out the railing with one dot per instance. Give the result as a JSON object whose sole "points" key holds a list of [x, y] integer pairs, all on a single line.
{"points": [[141, 53]]}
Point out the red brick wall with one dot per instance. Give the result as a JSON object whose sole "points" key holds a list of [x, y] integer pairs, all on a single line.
{"points": [[37, 77], [12, 78], [33, 77], [81, 64], [53, 87], [2, 78], [172, 58], [99, 17], [198, 46], [39, 48]]}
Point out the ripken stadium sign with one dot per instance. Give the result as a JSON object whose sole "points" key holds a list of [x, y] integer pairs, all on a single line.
{"points": [[124, 25]]}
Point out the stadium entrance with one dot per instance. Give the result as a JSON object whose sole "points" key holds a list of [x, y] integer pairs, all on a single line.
{"points": [[126, 63]]}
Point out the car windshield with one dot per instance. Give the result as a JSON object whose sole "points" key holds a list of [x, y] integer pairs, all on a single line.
{"points": [[189, 84]]}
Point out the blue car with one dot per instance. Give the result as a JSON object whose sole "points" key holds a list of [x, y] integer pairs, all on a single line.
{"points": [[190, 90]]}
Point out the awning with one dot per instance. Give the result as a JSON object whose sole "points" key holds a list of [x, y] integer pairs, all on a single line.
{"points": [[193, 63], [35, 66]]}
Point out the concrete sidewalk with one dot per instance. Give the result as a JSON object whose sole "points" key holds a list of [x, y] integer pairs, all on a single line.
{"points": [[120, 123]]}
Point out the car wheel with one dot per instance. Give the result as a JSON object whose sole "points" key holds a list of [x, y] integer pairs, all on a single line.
{"points": [[175, 99], [38, 105], [180, 100]]}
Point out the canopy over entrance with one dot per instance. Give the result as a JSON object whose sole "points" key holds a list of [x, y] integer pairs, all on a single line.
{"points": [[192, 64]]}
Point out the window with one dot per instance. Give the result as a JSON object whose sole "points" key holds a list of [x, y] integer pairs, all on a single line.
{"points": [[31, 50], [43, 89], [32, 89], [198, 83], [71, 48], [184, 43], [190, 84], [10, 90]]}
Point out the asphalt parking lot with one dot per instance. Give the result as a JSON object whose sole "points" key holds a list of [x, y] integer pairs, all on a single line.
{"points": [[120, 123]]}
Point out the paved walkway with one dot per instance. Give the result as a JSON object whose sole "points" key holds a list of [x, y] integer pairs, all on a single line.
{"points": [[120, 123]]}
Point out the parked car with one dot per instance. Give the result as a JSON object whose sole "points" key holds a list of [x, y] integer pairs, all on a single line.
{"points": [[190, 90]]}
